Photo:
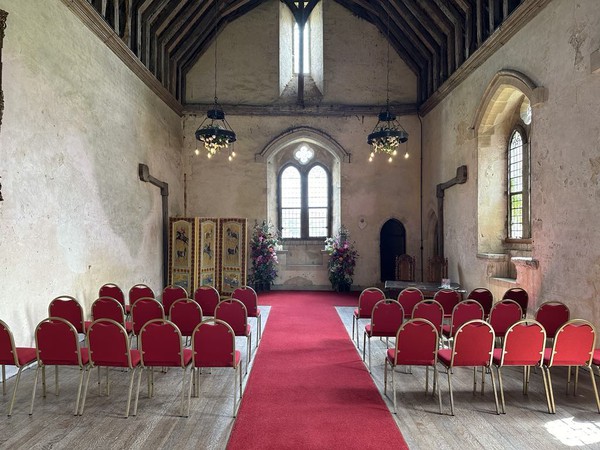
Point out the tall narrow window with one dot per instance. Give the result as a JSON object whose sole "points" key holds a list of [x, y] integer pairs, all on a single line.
{"points": [[291, 203], [518, 186], [306, 51], [318, 202]]}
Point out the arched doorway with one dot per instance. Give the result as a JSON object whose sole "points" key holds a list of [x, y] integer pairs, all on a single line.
{"points": [[392, 242]]}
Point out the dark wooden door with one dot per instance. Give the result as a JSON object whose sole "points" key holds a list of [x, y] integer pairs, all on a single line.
{"points": [[392, 242]]}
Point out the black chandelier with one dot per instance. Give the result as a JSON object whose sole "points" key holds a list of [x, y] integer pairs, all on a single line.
{"points": [[388, 134], [215, 132]]}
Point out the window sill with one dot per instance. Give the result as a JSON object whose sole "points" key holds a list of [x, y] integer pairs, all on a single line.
{"points": [[518, 241], [493, 256], [291, 242]]}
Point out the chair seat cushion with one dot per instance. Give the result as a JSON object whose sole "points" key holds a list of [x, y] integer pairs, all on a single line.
{"points": [[256, 314], [25, 355], [446, 329], [187, 356], [85, 355], [128, 327], [135, 357], [361, 316], [445, 356], [391, 353], [558, 361], [596, 360], [497, 356]]}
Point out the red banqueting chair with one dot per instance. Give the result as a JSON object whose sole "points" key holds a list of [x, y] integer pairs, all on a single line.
{"points": [[552, 315], [366, 301], [431, 310], [114, 291], [573, 346], [57, 344], [186, 314], [485, 298], [144, 310], [139, 291], [233, 312], [473, 346], [109, 308], [171, 294], [213, 345], [161, 346], [408, 298], [416, 344], [10, 355], [247, 295], [208, 298], [523, 345], [503, 315], [70, 309], [386, 318], [462, 313], [448, 298], [520, 296], [108, 344]]}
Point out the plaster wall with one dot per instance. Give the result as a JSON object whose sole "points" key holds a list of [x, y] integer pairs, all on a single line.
{"points": [[554, 51], [76, 124]]}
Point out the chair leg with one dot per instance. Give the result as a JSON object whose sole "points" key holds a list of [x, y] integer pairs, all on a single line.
{"points": [[182, 414], [192, 383], [353, 325], [449, 372], [37, 370], [501, 389], [385, 366], [248, 358], [44, 381], [493, 388], [56, 380], [576, 384], [137, 393], [4, 380], [483, 369], [474, 379], [394, 390], [132, 376], [595, 388], [550, 390], [436, 383], [12, 402], [546, 389], [82, 373], [85, 390], [427, 381]]}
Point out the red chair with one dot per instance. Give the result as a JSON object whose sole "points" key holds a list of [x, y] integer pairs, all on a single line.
{"points": [[13, 356], [161, 346], [366, 301], [416, 345], [552, 316], [66, 307], [108, 344], [114, 291], [462, 313], [386, 319], [208, 298], [144, 310], [171, 294], [139, 291], [430, 310], [518, 295], [448, 298], [484, 297], [57, 344], [473, 347], [523, 346], [233, 312], [573, 346], [503, 315], [213, 345], [248, 297], [109, 308], [186, 314], [408, 298]]}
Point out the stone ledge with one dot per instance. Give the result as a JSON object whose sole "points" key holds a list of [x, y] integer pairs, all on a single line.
{"points": [[525, 261], [493, 256]]}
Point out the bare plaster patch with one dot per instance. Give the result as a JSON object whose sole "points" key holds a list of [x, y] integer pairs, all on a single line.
{"points": [[595, 166], [577, 39]]}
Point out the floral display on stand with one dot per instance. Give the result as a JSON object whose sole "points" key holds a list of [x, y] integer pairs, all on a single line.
{"points": [[263, 254], [342, 260]]}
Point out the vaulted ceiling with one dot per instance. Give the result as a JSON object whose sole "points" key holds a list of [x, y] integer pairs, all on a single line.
{"points": [[433, 37]]}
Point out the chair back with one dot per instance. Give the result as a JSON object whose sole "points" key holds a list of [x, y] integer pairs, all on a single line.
{"points": [[248, 297], [114, 291], [387, 317], [573, 344], [523, 344], [408, 298], [473, 345], [139, 291], [213, 345], [186, 314], [160, 344], [484, 297], [430, 310], [208, 298], [552, 315], [171, 294], [8, 352], [448, 298], [233, 312], [57, 343], [464, 312], [416, 343], [366, 301], [108, 344], [503, 315], [437, 268], [108, 308], [405, 268], [520, 296], [69, 309], [143, 311]]}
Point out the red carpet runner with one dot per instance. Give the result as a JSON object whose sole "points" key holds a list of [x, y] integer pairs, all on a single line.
{"points": [[308, 388]]}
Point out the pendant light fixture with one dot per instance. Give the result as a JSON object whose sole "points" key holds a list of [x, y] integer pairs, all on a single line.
{"points": [[215, 132], [388, 134]]}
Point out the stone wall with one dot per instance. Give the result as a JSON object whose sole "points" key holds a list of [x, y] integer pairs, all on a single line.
{"points": [[76, 124]]}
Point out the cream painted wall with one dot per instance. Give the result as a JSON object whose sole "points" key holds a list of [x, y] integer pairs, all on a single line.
{"points": [[76, 124], [554, 51]]}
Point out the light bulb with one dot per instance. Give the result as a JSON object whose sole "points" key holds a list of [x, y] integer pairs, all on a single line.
{"points": [[406, 155], [395, 152], [197, 152], [370, 159], [390, 160], [209, 155], [233, 154], [230, 158]]}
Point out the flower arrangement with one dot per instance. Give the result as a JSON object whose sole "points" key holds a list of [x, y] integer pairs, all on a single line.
{"points": [[342, 259], [263, 254]]}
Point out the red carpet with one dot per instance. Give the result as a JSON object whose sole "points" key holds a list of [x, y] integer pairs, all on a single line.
{"points": [[308, 388]]}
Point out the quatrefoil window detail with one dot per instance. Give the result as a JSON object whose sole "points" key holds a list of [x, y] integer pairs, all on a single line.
{"points": [[304, 154]]}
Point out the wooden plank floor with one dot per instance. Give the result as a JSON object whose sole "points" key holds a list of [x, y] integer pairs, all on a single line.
{"points": [[157, 425]]}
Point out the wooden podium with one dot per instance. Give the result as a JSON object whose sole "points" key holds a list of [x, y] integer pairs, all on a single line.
{"points": [[208, 251]]}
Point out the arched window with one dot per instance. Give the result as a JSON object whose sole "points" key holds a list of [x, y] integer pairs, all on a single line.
{"points": [[304, 202], [518, 185]]}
